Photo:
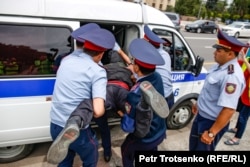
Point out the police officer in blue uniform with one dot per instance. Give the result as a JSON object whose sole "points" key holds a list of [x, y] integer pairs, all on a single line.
{"points": [[118, 86], [148, 133], [165, 69], [79, 77], [218, 99]]}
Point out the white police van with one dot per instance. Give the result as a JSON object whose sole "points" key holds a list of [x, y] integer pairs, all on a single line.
{"points": [[34, 32]]}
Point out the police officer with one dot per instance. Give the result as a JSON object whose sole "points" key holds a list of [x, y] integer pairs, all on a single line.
{"points": [[119, 83], [219, 97], [79, 77], [148, 133], [165, 69]]}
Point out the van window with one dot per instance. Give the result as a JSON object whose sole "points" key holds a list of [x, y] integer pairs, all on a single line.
{"points": [[124, 33], [31, 49], [180, 57]]}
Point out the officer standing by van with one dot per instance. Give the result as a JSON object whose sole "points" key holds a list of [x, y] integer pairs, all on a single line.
{"points": [[165, 69], [218, 99]]}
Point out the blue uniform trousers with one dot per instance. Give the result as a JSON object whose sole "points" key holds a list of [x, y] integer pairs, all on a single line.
{"points": [[132, 144], [86, 146], [170, 100], [201, 124], [105, 133]]}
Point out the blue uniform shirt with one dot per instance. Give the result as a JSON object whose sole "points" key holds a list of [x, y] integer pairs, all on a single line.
{"points": [[78, 78], [221, 89], [165, 72]]}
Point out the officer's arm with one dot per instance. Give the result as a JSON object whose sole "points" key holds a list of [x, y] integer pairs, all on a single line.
{"points": [[123, 55], [247, 63], [98, 107], [222, 120], [242, 57]]}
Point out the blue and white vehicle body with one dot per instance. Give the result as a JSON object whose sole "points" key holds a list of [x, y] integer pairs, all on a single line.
{"points": [[34, 32]]}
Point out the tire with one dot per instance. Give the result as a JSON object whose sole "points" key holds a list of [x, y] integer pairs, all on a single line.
{"points": [[214, 31], [14, 153], [236, 35], [198, 30], [180, 116]]}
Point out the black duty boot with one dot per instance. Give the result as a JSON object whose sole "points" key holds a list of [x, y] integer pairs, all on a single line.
{"points": [[154, 99], [59, 148]]}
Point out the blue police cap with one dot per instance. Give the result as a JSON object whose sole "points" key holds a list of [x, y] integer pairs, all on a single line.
{"points": [[98, 39], [152, 37], [83, 29], [228, 42], [145, 54]]}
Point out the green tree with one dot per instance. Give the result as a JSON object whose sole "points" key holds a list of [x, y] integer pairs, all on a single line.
{"points": [[239, 8], [185, 7]]}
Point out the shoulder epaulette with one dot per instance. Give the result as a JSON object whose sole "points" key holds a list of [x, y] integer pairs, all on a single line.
{"points": [[230, 69], [135, 87]]}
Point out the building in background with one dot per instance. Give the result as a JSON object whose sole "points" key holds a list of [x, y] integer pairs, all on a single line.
{"points": [[160, 4]]}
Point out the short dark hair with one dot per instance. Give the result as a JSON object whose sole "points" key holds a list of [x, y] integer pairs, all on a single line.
{"points": [[92, 53], [145, 71], [79, 44]]}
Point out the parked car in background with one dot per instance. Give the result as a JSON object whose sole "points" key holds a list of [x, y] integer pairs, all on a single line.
{"points": [[175, 18], [237, 29], [200, 26], [228, 21]]}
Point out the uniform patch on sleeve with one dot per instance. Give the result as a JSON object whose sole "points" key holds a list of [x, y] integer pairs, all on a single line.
{"points": [[127, 107], [230, 88]]}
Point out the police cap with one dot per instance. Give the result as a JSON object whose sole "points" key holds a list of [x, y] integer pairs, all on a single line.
{"points": [[98, 39], [83, 29], [228, 42], [152, 37], [145, 54]]}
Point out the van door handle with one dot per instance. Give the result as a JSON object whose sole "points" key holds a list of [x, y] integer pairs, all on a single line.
{"points": [[48, 99]]}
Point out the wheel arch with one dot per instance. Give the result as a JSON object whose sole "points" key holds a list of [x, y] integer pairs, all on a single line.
{"points": [[185, 98]]}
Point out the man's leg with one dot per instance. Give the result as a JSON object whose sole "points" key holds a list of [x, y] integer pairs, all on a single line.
{"points": [[154, 99], [65, 159], [80, 118], [105, 136]]}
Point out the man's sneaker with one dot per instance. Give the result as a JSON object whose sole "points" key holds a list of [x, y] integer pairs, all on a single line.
{"points": [[154, 99], [59, 148]]}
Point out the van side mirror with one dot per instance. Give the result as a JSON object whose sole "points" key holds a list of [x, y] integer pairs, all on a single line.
{"points": [[198, 66]]}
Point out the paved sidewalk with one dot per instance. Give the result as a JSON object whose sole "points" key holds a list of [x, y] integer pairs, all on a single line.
{"points": [[176, 140]]}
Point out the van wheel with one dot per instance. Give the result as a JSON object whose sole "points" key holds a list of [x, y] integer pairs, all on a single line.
{"points": [[180, 116], [14, 153]]}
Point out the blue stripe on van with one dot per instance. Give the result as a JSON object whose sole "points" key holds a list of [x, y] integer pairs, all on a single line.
{"points": [[187, 77], [22, 88], [41, 87]]}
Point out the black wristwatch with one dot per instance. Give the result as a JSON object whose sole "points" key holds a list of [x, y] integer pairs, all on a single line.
{"points": [[210, 134]]}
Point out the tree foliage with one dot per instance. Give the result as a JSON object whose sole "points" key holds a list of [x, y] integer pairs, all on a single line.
{"points": [[239, 9], [185, 7]]}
